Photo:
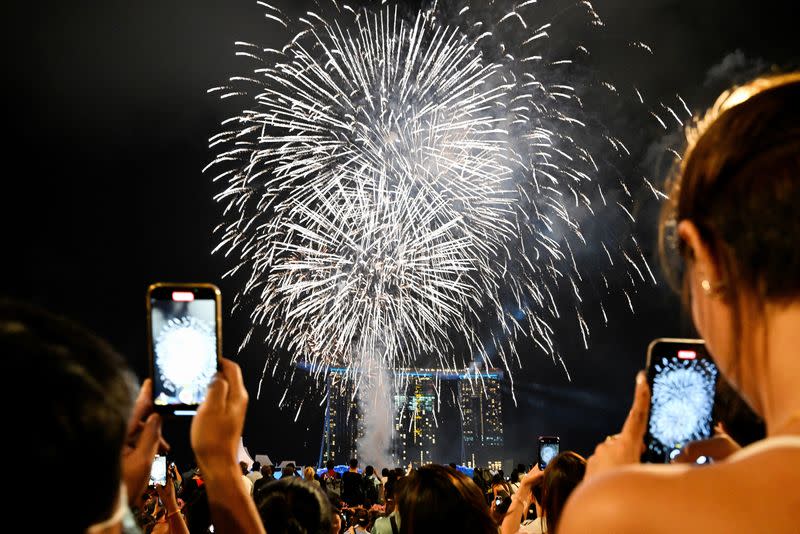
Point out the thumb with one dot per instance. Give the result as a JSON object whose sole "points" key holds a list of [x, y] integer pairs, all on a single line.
{"points": [[150, 437], [217, 395], [636, 422]]}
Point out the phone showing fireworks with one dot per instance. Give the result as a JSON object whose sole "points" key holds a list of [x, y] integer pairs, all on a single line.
{"points": [[548, 449], [682, 379], [158, 471], [184, 343]]}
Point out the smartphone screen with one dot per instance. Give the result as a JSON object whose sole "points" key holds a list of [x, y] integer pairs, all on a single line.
{"points": [[184, 332], [548, 449], [158, 472], [683, 380]]}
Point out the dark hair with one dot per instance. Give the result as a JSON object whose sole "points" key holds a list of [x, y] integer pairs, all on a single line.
{"points": [[256, 466], [353, 463], [537, 493], [739, 183], [79, 409], [369, 470], [361, 517], [292, 506], [266, 470], [435, 498], [385, 472], [197, 510], [563, 473], [478, 480], [390, 486], [287, 471]]}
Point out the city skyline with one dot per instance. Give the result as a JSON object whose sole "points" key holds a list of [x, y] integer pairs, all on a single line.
{"points": [[420, 420]]}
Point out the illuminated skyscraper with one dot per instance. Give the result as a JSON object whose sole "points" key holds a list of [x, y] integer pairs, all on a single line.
{"points": [[482, 419], [415, 421], [342, 422], [416, 431]]}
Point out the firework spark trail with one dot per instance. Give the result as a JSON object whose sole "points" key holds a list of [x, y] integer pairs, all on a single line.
{"points": [[394, 183]]}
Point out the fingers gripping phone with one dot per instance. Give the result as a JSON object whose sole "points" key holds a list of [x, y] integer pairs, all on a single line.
{"points": [[184, 328], [682, 379], [548, 449]]}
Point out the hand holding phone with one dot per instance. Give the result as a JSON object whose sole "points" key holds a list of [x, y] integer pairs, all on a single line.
{"points": [[625, 447], [185, 341], [716, 448]]}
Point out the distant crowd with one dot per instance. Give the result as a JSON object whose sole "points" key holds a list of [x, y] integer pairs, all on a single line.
{"points": [[358, 502]]}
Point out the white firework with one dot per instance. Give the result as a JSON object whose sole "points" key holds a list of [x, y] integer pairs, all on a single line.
{"points": [[186, 357], [393, 184], [681, 397]]}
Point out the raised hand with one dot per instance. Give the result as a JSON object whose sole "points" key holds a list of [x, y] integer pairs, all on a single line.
{"points": [[143, 441], [627, 446]]}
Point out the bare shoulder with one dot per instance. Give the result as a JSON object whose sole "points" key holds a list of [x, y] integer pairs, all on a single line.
{"points": [[715, 498], [618, 501]]}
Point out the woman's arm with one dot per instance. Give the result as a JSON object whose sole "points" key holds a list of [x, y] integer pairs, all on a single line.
{"points": [[521, 501], [606, 499], [173, 516]]}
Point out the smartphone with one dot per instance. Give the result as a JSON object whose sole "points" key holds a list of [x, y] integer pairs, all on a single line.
{"points": [[683, 380], [498, 501], [548, 449], [184, 330], [172, 471], [158, 471]]}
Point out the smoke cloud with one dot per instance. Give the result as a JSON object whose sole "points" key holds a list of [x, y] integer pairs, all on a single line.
{"points": [[734, 68], [375, 393]]}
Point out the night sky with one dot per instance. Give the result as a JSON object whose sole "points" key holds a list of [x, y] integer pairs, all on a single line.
{"points": [[106, 127]]}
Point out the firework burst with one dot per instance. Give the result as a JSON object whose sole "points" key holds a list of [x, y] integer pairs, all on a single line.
{"points": [[395, 183], [186, 355]]}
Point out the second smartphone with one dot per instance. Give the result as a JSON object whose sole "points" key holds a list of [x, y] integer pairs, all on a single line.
{"points": [[548, 449], [158, 471]]}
